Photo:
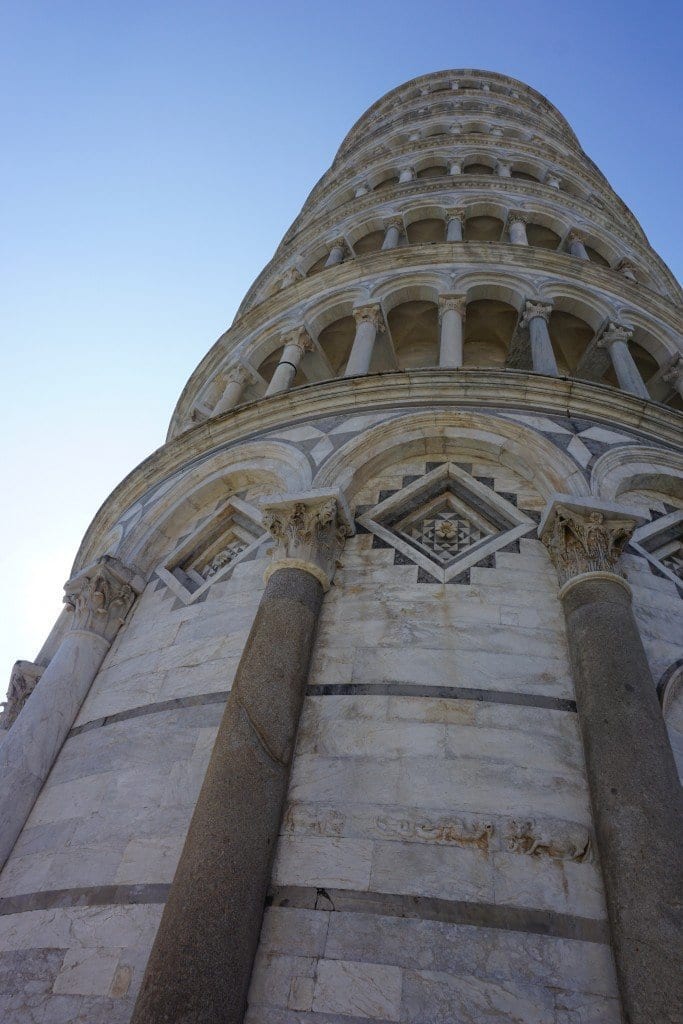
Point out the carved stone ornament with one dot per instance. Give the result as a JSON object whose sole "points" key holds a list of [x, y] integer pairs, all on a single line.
{"points": [[575, 236], [455, 213], [22, 683], [310, 530], [237, 375], [614, 332], [291, 276], [101, 596], [299, 338], [371, 314], [673, 371], [586, 535], [533, 310], [516, 217], [452, 301]]}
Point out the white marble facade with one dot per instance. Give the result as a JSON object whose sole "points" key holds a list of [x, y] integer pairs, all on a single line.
{"points": [[436, 861]]}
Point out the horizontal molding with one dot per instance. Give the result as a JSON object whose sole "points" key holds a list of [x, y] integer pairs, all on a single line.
{"points": [[529, 700], [196, 700], [431, 908], [85, 896]]}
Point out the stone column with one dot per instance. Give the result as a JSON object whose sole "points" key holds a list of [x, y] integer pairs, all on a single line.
{"points": [[369, 323], [577, 246], [199, 968], [291, 276], [455, 220], [504, 170], [100, 598], [393, 229], [536, 316], [627, 270], [615, 339], [634, 788], [517, 229], [455, 167], [407, 174], [496, 132], [338, 250], [451, 314], [552, 180], [237, 378], [296, 345], [361, 189]]}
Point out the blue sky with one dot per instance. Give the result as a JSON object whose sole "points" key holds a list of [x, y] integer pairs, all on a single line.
{"points": [[153, 156]]}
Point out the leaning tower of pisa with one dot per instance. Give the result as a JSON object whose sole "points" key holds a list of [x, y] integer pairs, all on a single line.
{"points": [[367, 694]]}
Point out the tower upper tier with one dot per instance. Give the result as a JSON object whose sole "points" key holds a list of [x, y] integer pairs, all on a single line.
{"points": [[461, 192]]}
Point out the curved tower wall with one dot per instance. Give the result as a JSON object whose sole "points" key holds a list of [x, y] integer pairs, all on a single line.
{"points": [[463, 323]]}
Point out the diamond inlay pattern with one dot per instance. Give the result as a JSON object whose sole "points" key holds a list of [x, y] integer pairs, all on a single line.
{"points": [[444, 534]]}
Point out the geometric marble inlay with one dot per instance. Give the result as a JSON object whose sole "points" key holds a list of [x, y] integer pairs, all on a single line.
{"points": [[218, 543], [661, 543], [446, 521]]}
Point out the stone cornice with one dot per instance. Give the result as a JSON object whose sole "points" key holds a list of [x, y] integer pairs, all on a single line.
{"points": [[444, 256], [410, 389]]}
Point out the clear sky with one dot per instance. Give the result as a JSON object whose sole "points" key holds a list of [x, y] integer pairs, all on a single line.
{"points": [[153, 156]]}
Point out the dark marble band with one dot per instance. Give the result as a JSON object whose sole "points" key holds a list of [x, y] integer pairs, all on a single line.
{"points": [[430, 908], [530, 700], [85, 896], [215, 697]]}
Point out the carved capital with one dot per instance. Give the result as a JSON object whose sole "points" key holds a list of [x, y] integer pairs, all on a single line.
{"points": [[516, 217], [291, 276], [310, 530], [339, 243], [394, 222], [626, 268], [238, 375], [575, 236], [101, 596], [451, 300], [553, 180], [299, 338], [455, 213], [674, 371], [585, 535], [370, 314], [614, 332], [533, 310], [22, 683]]}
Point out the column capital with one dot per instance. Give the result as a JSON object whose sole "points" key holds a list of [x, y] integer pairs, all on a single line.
{"points": [[238, 374], [369, 314], [394, 222], [674, 371], [300, 338], [339, 243], [612, 332], [455, 213], [575, 236], [534, 309], [291, 276], [626, 268], [310, 530], [553, 180], [101, 595], [452, 300], [23, 679], [585, 535], [500, 164], [516, 217]]}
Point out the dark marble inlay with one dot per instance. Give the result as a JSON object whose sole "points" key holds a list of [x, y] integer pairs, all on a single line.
{"points": [[530, 700], [193, 701], [431, 908], [85, 896]]}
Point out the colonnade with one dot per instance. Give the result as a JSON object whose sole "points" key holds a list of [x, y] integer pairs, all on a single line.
{"points": [[532, 336]]}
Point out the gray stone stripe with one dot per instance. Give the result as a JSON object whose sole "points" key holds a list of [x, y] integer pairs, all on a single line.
{"points": [[85, 896], [529, 700], [216, 697], [430, 908]]}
